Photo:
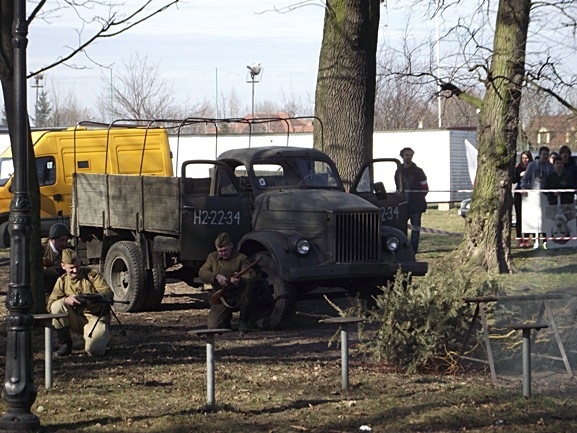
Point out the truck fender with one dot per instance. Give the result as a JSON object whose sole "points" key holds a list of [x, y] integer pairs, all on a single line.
{"points": [[405, 252], [278, 244]]}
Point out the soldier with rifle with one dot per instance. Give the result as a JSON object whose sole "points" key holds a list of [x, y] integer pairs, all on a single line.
{"points": [[228, 271], [77, 294]]}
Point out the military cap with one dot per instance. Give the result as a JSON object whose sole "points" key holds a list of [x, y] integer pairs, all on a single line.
{"points": [[222, 240], [69, 256], [58, 230]]}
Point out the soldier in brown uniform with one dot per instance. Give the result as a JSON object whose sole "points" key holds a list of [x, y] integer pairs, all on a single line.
{"points": [[58, 237], [219, 270], [83, 317]]}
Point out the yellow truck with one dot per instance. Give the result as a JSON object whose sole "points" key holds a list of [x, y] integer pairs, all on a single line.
{"points": [[59, 154]]}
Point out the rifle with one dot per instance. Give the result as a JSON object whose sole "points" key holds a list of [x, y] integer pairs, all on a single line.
{"points": [[97, 298], [215, 298]]}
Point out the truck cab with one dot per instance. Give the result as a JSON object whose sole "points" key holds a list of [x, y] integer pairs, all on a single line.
{"points": [[288, 208]]}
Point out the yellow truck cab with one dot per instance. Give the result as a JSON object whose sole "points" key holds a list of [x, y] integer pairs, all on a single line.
{"points": [[61, 153]]}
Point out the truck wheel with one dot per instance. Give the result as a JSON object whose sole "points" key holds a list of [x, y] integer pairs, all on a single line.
{"points": [[124, 271], [155, 283], [4, 235], [273, 299]]}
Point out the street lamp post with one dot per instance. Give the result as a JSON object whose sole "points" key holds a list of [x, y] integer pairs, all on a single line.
{"points": [[19, 391], [254, 76]]}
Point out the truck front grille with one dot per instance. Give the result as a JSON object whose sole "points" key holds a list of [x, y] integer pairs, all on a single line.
{"points": [[357, 237]]}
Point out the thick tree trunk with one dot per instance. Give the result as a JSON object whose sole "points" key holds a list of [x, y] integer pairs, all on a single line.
{"points": [[487, 235], [345, 93]]}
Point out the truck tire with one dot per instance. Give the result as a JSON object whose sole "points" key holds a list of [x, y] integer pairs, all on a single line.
{"points": [[155, 284], [4, 235], [274, 299], [124, 272]]}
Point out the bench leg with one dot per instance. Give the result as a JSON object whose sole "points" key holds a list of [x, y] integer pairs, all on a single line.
{"points": [[527, 363], [210, 370], [48, 357], [345, 357]]}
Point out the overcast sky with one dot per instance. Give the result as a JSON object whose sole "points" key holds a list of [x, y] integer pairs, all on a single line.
{"points": [[202, 48]]}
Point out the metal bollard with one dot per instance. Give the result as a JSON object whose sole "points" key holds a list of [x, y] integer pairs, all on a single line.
{"points": [[344, 323], [526, 328], [209, 334]]}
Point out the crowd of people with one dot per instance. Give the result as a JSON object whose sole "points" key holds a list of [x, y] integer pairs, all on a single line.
{"points": [[549, 171]]}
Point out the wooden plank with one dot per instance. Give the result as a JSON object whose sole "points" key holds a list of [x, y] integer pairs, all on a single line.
{"points": [[90, 200], [125, 201], [161, 204]]}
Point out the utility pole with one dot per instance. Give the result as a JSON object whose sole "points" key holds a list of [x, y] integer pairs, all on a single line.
{"points": [[254, 71], [19, 391]]}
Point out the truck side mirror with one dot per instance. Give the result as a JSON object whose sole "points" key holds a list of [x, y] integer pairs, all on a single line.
{"points": [[380, 191]]}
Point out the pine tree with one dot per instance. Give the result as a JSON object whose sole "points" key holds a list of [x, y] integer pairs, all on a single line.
{"points": [[43, 110]]}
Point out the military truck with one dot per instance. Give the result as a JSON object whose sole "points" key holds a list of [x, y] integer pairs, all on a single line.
{"points": [[285, 206]]}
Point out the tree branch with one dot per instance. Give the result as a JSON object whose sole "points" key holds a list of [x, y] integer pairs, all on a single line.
{"points": [[107, 30]]}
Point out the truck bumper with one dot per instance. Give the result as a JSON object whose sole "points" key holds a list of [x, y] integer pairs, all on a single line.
{"points": [[354, 271]]}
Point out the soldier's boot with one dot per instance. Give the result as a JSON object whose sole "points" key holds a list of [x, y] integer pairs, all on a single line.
{"points": [[65, 339]]}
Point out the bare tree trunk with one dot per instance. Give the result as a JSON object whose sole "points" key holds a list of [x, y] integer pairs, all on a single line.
{"points": [[487, 235], [345, 93]]}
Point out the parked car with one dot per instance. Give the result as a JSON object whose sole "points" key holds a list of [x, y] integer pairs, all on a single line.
{"points": [[464, 209]]}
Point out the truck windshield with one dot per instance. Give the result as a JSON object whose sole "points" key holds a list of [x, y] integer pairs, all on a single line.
{"points": [[6, 170], [295, 173]]}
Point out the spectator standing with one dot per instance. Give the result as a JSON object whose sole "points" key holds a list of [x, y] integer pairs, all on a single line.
{"points": [[569, 165], [534, 179], [416, 188], [537, 170], [552, 156], [520, 169], [560, 179]]}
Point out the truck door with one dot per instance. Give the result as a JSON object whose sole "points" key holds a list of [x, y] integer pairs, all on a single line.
{"points": [[376, 183], [212, 203]]}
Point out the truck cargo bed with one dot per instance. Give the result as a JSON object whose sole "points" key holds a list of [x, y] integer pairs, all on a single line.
{"points": [[140, 203]]}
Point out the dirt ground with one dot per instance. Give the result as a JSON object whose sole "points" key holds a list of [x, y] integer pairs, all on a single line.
{"points": [[154, 362]]}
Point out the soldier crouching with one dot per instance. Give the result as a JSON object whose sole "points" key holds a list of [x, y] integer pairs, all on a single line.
{"points": [[90, 319]]}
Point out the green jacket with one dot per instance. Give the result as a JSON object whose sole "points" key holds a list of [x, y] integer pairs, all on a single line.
{"points": [[215, 265]]}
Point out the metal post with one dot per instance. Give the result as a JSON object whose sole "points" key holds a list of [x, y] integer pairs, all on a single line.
{"points": [[210, 370], [527, 363], [345, 356], [19, 391], [253, 98], [344, 323], [48, 356]]}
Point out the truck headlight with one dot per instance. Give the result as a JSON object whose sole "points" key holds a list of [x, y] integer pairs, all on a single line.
{"points": [[393, 243], [302, 246]]}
